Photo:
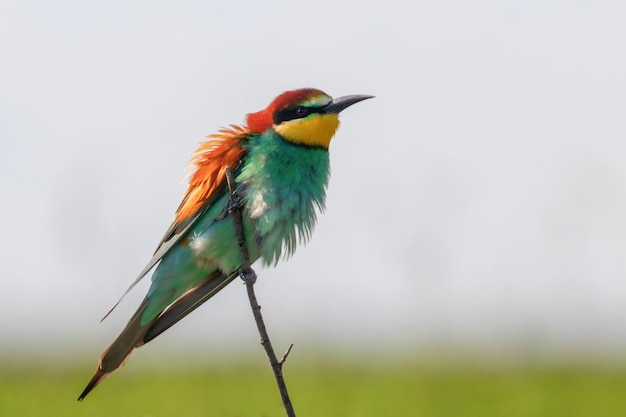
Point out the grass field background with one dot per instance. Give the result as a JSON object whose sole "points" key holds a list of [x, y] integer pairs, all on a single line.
{"points": [[318, 388]]}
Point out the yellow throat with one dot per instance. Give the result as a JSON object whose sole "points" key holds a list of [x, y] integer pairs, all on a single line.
{"points": [[315, 130]]}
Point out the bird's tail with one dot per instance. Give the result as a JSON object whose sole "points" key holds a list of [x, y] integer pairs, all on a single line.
{"points": [[135, 334], [95, 380], [113, 357]]}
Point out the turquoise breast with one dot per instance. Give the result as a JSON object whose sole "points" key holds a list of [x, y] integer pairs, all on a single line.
{"points": [[283, 185]]}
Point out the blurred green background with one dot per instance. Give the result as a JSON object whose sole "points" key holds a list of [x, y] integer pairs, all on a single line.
{"points": [[320, 387]]}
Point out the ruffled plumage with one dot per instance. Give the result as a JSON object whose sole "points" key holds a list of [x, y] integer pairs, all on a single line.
{"points": [[209, 161]]}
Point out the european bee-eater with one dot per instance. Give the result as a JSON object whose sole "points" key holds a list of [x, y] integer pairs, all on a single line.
{"points": [[280, 164]]}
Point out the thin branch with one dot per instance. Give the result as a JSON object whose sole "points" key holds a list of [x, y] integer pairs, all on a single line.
{"points": [[248, 275], [284, 358]]}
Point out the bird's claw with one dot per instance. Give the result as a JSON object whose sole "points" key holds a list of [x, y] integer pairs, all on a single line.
{"points": [[234, 203], [247, 275]]}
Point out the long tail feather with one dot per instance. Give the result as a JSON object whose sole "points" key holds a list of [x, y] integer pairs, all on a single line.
{"points": [[135, 334], [95, 380], [113, 357]]}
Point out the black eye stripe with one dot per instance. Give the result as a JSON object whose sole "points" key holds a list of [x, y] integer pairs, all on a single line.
{"points": [[297, 112]]}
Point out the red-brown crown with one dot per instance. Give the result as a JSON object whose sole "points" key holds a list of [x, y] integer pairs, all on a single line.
{"points": [[262, 120]]}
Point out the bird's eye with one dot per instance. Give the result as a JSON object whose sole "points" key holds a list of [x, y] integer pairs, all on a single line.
{"points": [[302, 111], [291, 113]]}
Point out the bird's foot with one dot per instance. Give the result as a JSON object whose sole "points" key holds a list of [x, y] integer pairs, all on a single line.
{"points": [[234, 205], [247, 275], [234, 202]]}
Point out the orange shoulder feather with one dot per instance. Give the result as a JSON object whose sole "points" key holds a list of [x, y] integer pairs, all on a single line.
{"points": [[210, 160]]}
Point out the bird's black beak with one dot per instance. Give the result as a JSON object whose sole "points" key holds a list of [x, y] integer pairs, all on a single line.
{"points": [[341, 103]]}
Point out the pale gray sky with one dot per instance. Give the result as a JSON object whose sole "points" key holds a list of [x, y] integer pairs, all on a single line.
{"points": [[478, 201]]}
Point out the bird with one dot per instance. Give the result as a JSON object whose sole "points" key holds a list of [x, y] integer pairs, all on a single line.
{"points": [[279, 161]]}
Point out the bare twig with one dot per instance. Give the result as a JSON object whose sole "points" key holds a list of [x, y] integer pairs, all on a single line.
{"points": [[284, 358], [248, 275]]}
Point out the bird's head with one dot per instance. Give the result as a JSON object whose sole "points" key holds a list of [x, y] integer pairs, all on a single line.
{"points": [[307, 116]]}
